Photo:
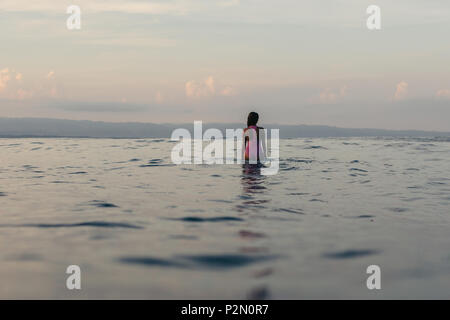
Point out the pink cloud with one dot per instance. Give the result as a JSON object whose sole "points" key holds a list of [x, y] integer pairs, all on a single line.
{"points": [[209, 87], [401, 91], [443, 93], [4, 78], [329, 95]]}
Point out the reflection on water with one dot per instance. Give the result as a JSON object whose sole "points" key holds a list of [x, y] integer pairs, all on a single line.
{"points": [[253, 187], [141, 227], [252, 179]]}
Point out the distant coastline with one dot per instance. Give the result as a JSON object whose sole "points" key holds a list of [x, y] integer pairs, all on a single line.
{"points": [[58, 128]]}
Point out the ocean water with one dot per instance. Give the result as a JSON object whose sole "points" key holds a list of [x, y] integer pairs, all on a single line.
{"points": [[140, 227]]}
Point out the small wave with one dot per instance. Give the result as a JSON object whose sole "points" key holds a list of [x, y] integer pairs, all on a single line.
{"points": [[259, 293], [315, 147], [227, 261], [29, 167], [114, 168], [155, 161], [251, 235], [155, 165], [350, 143], [357, 169], [98, 224], [317, 200], [350, 254], [296, 211], [256, 202], [220, 201], [299, 160], [222, 261], [397, 209], [102, 204], [213, 219], [436, 183], [364, 216], [151, 261], [289, 169], [256, 187], [398, 145], [183, 237]]}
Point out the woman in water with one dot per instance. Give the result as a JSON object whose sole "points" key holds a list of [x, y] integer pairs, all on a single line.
{"points": [[254, 141]]}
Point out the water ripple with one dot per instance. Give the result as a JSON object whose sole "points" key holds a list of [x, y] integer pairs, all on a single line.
{"points": [[209, 261], [350, 254], [102, 204], [97, 224], [213, 219]]}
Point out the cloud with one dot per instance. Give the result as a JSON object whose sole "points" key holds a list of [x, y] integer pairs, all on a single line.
{"points": [[23, 94], [401, 91], [208, 88], [159, 98], [6, 75], [228, 91], [12, 87], [49, 87], [443, 93], [195, 89], [4, 78], [50, 75], [329, 95]]}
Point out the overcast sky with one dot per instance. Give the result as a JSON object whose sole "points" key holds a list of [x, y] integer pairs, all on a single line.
{"points": [[295, 62]]}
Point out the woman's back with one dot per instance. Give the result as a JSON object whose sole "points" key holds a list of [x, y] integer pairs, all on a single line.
{"points": [[254, 140]]}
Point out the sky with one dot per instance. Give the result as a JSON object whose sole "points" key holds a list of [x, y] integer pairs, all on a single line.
{"points": [[295, 62]]}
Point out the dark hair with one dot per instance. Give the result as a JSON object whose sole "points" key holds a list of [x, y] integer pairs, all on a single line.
{"points": [[252, 119]]}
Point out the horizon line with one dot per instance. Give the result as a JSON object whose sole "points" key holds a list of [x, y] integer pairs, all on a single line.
{"points": [[223, 123]]}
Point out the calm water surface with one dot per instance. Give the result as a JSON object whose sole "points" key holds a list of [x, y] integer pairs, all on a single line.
{"points": [[141, 227]]}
